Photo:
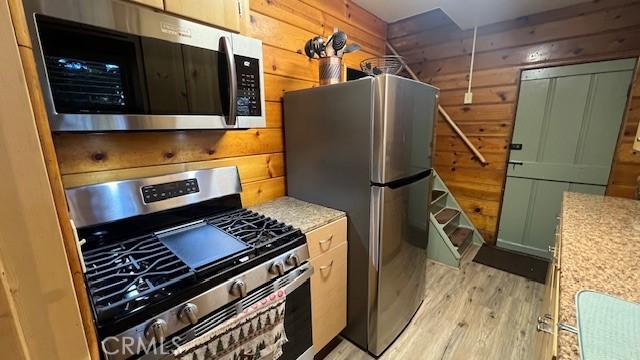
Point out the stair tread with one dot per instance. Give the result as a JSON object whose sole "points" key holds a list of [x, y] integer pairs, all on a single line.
{"points": [[436, 194], [445, 215], [460, 235]]}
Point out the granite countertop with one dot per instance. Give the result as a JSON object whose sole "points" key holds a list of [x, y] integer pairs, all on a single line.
{"points": [[600, 251], [297, 213]]}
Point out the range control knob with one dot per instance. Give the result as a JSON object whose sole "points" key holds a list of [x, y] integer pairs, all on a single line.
{"points": [[189, 314], [238, 288], [293, 260], [277, 268], [156, 330]]}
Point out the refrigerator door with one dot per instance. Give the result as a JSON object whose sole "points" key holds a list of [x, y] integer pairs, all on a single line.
{"points": [[404, 118], [399, 255]]}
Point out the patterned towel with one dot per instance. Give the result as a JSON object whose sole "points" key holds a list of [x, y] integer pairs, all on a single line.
{"points": [[256, 333]]}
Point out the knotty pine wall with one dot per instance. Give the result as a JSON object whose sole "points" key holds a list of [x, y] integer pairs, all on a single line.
{"points": [[284, 26], [439, 52]]}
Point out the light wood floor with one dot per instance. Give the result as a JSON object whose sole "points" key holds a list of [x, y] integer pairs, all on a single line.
{"points": [[476, 312]]}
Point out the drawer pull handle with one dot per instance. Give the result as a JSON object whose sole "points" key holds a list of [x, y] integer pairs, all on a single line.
{"points": [[326, 267], [544, 327], [552, 249], [544, 319], [328, 240]]}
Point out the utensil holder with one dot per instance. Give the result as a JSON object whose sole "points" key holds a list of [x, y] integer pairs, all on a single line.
{"points": [[330, 70]]}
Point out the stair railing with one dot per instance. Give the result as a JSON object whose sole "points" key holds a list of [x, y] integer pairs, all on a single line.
{"points": [[446, 116]]}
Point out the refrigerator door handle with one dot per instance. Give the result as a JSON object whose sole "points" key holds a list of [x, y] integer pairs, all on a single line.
{"points": [[405, 181]]}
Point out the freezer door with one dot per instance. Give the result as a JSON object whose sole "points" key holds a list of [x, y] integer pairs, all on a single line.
{"points": [[404, 117], [399, 254]]}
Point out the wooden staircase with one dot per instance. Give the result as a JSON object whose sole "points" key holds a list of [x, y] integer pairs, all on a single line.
{"points": [[450, 232]]}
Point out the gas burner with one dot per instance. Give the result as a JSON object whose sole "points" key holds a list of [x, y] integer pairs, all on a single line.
{"points": [[125, 276], [252, 228]]}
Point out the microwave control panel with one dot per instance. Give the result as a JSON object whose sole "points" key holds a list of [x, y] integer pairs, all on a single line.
{"points": [[153, 193], [249, 102]]}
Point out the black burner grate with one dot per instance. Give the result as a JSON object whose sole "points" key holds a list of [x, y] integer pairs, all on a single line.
{"points": [[254, 229], [122, 276]]}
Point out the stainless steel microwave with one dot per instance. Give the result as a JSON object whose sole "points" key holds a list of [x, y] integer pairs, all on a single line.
{"points": [[108, 65]]}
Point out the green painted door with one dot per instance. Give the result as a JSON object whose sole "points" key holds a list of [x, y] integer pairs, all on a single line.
{"points": [[566, 129]]}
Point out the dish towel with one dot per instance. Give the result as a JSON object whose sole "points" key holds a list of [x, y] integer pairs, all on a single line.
{"points": [[256, 333]]}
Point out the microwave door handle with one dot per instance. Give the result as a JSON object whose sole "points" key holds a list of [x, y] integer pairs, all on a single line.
{"points": [[233, 80]]}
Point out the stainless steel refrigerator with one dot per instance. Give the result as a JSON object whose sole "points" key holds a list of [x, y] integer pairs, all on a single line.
{"points": [[364, 147]]}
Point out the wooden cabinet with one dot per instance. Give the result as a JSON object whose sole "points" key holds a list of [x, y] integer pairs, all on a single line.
{"points": [[547, 325], [328, 251], [158, 4], [327, 237], [221, 13]]}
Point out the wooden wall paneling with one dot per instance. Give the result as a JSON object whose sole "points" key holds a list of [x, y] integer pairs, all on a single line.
{"points": [[251, 168], [626, 161], [273, 113], [443, 34], [477, 128], [287, 63], [293, 12], [617, 44], [364, 20], [486, 144], [482, 78], [278, 33], [486, 95], [579, 26], [591, 31], [276, 86], [349, 12], [104, 151], [257, 192], [33, 251], [484, 112]]}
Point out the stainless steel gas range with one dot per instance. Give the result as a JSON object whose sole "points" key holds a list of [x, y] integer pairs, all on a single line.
{"points": [[169, 258]]}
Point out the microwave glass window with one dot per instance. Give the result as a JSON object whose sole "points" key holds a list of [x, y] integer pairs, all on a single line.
{"points": [[94, 70]]}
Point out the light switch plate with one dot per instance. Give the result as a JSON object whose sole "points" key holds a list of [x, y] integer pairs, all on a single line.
{"points": [[468, 98]]}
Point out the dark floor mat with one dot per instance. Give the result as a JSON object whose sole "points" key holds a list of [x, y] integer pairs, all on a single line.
{"points": [[512, 262]]}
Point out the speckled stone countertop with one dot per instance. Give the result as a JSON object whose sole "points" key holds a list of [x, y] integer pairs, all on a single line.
{"points": [[297, 213], [600, 251]]}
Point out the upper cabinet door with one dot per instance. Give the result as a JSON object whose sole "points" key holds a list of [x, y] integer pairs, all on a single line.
{"points": [[158, 4], [221, 13]]}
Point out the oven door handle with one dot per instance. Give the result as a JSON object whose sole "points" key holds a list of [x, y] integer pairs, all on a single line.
{"points": [[305, 271], [233, 80]]}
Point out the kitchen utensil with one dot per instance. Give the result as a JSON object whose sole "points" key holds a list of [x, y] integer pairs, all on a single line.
{"points": [[388, 64], [309, 49], [338, 41], [318, 45], [353, 47]]}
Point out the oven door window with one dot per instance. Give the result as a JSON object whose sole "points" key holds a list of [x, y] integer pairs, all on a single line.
{"points": [[93, 70]]}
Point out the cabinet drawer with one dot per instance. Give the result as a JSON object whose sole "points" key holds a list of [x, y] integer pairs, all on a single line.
{"points": [[328, 237], [221, 13], [329, 295]]}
